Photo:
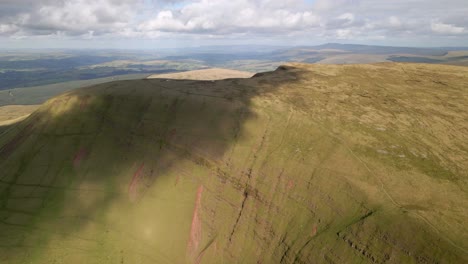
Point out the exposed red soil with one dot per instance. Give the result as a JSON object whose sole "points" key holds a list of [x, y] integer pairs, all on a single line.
{"points": [[314, 231], [290, 185], [133, 187], [196, 229]]}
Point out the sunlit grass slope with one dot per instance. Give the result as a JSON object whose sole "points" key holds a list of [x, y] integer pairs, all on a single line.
{"points": [[205, 74], [307, 164]]}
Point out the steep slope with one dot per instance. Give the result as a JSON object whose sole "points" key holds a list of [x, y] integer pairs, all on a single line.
{"points": [[307, 164]]}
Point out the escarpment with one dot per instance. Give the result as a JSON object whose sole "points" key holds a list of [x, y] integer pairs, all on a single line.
{"points": [[306, 164]]}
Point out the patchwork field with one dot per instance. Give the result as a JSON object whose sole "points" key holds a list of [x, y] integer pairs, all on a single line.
{"points": [[306, 164]]}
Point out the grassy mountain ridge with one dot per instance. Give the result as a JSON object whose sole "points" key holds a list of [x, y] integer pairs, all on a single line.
{"points": [[306, 164]]}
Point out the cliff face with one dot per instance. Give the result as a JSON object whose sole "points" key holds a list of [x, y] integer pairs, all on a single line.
{"points": [[307, 164]]}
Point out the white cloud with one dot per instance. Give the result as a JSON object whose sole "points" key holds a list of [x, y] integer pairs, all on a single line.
{"points": [[395, 22], [199, 19], [72, 17], [226, 16], [349, 17], [443, 28], [7, 29], [344, 33]]}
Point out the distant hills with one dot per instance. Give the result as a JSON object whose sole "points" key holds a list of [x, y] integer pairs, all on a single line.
{"points": [[368, 49], [42, 67]]}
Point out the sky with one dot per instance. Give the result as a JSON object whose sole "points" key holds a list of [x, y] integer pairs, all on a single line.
{"points": [[152, 24]]}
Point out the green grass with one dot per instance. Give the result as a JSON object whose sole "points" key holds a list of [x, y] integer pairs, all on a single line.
{"points": [[286, 166]]}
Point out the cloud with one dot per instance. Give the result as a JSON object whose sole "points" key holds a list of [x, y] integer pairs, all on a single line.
{"points": [[327, 5], [198, 19], [340, 19], [343, 33], [226, 16], [395, 22], [68, 17], [442, 28], [6, 29]]}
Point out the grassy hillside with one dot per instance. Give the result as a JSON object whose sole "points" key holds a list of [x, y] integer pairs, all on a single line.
{"points": [[205, 74], [307, 164], [11, 114]]}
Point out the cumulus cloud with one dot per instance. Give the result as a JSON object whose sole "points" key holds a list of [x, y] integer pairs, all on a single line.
{"points": [[6, 29], [333, 19], [340, 19], [443, 28], [72, 17], [81, 16], [226, 16]]}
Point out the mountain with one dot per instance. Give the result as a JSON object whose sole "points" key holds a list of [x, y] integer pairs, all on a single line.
{"points": [[336, 53], [306, 164]]}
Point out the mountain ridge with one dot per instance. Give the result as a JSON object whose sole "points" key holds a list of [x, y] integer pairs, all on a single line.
{"points": [[309, 163]]}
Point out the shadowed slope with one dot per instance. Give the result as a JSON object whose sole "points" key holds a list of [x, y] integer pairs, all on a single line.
{"points": [[307, 164]]}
